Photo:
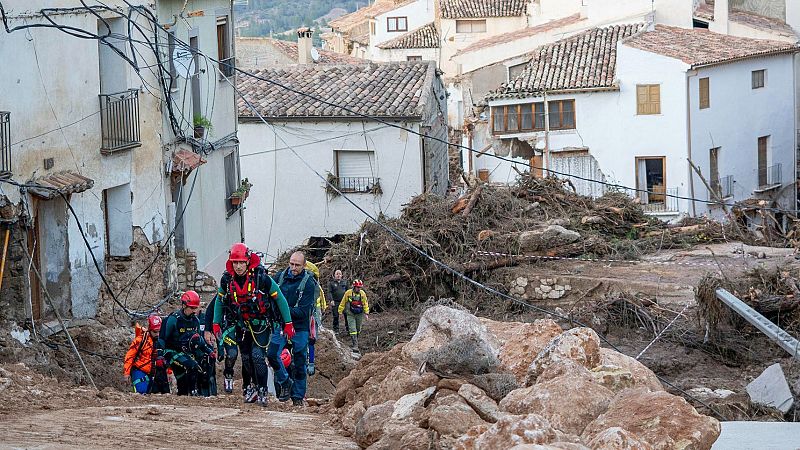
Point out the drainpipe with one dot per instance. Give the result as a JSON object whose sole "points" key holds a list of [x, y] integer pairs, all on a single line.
{"points": [[689, 74]]}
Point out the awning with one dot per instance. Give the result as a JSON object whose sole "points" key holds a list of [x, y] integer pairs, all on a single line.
{"points": [[184, 161], [66, 182]]}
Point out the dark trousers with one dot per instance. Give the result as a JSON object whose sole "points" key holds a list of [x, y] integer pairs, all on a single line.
{"points": [[254, 354]]}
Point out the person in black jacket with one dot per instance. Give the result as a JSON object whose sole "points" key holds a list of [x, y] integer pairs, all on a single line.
{"points": [[336, 289], [300, 289], [179, 340]]}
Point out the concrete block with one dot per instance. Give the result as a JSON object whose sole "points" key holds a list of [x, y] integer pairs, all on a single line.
{"points": [[771, 389]]}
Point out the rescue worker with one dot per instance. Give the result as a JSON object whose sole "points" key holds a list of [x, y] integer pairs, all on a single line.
{"points": [[179, 340], [316, 323], [250, 301], [355, 308], [139, 365], [336, 289], [207, 385], [300, 289]]}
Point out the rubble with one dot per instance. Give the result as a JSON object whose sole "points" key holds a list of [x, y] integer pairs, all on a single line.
{"points": [[578, 394], [771, 389]]}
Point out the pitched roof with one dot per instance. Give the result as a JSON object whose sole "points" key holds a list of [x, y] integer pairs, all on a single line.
{"points": [[521, 34], [464, 9], [66, 182], [288, 48], [585, 61], [347, 21], [425, 36], [700, 47], [396, 89], [760, 22]]}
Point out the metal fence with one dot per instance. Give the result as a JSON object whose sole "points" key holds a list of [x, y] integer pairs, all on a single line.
{"points": [[662, 202], [356, 184], [119, 121], [770, 176], [5, 143], [227, 66], [722, 187]]}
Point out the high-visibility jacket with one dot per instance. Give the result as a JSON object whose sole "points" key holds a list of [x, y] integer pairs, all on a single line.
{"points": [[322, 304], [344, 307], [140, 353]]}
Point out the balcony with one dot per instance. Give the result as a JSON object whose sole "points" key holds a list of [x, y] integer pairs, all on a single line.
{"points": [[660, 202], [769, 178], [119, 121], [227, 66], [364, 185], [5, 144], [722, 188]]}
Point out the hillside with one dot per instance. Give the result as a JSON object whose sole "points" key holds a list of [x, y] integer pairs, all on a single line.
{"points": [[262, 17]]}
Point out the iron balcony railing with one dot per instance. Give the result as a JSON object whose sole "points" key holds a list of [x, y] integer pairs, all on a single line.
{"points": [[655, 201], [5, 144], [356, 184], [722, 187], [119, 121], [228, 66], [770, 176]]}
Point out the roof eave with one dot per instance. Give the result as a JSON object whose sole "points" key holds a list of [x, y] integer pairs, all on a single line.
{"points": [[536, 94], [255, 119], [742, 58]]}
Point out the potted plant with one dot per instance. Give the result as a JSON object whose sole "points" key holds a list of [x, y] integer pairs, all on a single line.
{"points": [[240, 195], [201, 124]]}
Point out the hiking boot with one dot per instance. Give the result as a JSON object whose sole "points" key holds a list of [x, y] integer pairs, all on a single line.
{"points": [[297, 402], [284, 391], [250, 394], [311, 370], [354, 342], [262, 396], [228, 384]]}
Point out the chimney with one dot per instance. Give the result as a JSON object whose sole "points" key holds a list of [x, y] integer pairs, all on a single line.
{"points": [[721, 10], [304, 45]]}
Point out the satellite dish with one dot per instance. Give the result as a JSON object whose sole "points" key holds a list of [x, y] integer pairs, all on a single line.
{"points": [[314, 54]]}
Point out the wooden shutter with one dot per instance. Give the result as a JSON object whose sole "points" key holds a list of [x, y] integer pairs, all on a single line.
{"points": [[705, 100], [648, 99], [762, 161]]}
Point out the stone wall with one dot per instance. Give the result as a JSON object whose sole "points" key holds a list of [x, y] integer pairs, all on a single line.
{"points": [[15, 290]]}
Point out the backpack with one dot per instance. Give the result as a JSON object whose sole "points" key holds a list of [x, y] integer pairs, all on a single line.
{"points": [[301, 288], [356, 305]]}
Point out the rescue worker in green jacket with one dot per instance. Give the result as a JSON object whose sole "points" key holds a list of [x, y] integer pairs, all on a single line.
{"points": [[355, 307]]}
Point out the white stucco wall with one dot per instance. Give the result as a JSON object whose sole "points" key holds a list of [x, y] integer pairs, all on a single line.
{"points": [[452, 41], [738, 115], [67, 80], [553, 9], [301, 207], [402, 54], [418, 13]]}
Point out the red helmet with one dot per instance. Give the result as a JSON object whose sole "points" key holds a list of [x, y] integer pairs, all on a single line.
{"points": [[358, 283], [286, 357], [190, 299], [239, 252], [154, 322]]}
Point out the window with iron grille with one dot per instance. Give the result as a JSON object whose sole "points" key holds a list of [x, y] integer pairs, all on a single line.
{"points": [[355, 171], [5, 143]]}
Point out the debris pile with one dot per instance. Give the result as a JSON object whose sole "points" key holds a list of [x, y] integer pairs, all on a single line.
{"points": [[466, 382]]}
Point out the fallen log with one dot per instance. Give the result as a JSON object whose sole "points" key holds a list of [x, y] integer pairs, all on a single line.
{"points": [[472, 201], [477, 266], [461, 203]]}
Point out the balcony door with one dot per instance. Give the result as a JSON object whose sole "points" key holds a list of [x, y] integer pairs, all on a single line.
{"points": [[113, 68], [651, 177]]}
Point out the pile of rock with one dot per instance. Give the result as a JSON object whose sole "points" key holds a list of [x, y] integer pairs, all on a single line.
{"points": [[467, 383]]}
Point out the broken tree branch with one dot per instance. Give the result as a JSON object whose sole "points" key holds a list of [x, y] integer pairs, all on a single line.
{"points": [[472, 200]]}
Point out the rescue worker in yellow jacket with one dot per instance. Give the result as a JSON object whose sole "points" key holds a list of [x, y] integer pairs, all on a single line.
{"points": [[355, 307]]}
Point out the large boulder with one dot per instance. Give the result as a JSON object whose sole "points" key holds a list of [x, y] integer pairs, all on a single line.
{"points": [[642, 377], [658, 418], [482, 404], [333, 362], [370, 427], [452, 340], [521, 342], [547, 237], [411, 406], [581, 345], [351, 417], [616, 438], [398, 382], [496, 385], [403, 435], [509, 431], [568, 402], [452, 416], [372, 368]]}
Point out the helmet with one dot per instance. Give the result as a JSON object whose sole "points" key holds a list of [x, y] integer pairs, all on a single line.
{"points": [[190, 299], [358, 283], [239, 252], [154, 322], [286, 357]]}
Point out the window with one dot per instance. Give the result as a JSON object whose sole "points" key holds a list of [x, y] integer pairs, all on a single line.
{"points": [[471, 26], [650, 179], [414, 58], [372, 28], [759, 78], [119, 220], [516, 70], [224, 47], [530, 117], [397, 24], [648, 99], [355, 171], [705, 100], [763, 145], [231, 181]]}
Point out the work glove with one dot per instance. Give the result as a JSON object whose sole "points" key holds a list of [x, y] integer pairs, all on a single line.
{"points": [[217, 330], [161, 362], [288, 330]]}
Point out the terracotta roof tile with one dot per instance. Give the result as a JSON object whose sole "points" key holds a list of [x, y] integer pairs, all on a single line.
{"points": [[585, 61], [66, 182], [288, 48], [700, 47], [384, 89], [521, 34], [425, 36], [760, 22], [348, 21], [464, 9]]}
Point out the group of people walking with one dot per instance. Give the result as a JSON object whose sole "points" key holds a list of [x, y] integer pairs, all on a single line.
{"points": [[271, 322]]}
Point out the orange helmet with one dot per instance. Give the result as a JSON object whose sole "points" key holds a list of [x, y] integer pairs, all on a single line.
{"points": [[286, 357], [154, 322], [358, 283], [190, 299], [239, 252]]}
